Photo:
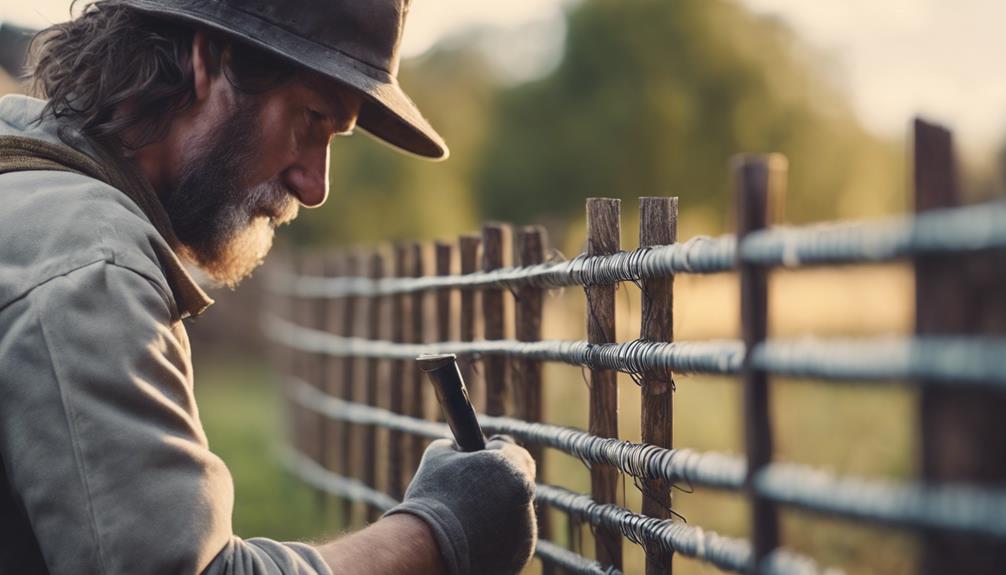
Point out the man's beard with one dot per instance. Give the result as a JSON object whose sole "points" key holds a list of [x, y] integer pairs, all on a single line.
{"points": [[226, 229]]}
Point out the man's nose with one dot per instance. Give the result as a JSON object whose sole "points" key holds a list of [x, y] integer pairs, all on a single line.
{"points": [[308, 177]]}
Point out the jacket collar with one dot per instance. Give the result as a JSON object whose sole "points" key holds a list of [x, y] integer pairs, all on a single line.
{"points": [[56, 141]]}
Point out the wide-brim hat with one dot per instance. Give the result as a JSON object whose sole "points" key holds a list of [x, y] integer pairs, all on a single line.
{"points": [[354, 42]]}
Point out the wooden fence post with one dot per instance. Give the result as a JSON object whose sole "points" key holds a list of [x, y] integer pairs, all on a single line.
{"points": [[314, 372], [332, 310], [528, 404], [444, 256], [300, 423], [417, 408], [375, 270], [347, 328], [963, 432], [603, 237], [468, 251], [495, 243], [398, 387], [760, 185], [284, 357], [658, 221]]}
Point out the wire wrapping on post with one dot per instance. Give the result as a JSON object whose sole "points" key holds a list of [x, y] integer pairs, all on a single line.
{"points": [[317, 476], [667, 536], [637, 459], [724, 552], [950, 360], [967, 229], [962, 508]]}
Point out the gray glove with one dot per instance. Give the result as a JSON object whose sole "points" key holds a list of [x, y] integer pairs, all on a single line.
{"points": [[478, 505]]}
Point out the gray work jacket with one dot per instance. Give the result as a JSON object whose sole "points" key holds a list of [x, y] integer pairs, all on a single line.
{"points": [[104, 465]]}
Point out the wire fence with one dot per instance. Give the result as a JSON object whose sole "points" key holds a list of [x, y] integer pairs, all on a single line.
{"points": [[949, 231], [956, 361], [360, 416]]}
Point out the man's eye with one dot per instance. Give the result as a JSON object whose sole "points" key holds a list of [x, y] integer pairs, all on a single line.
{"points": [[315, 116]]}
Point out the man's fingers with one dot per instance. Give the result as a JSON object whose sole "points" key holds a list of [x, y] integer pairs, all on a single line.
{"points": [[516, 454], [500, 437]]}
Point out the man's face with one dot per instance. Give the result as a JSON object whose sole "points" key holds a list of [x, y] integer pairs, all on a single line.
{"points": [[249, 167]]}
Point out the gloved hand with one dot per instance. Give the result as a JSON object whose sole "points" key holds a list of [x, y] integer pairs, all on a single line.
{"points": [[478, 505]]}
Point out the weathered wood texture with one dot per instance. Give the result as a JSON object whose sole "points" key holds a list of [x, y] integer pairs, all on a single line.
{"points": [[963, 432], [375, 270], [347, 324], [400, 387], [315, 372], [760, 186], [417, 335], [526, 375], [603, 237], [443, 264], [495, 246], [658, 220], [468, 252]]}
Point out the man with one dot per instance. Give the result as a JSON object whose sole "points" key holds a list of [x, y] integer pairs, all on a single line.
{"points": [[186, 131]]}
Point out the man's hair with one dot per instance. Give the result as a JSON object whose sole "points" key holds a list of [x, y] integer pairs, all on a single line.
{"points": [[114, 69]]}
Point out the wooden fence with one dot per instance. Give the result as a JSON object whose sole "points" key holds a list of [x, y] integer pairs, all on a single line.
{"points": [[350, 324]]}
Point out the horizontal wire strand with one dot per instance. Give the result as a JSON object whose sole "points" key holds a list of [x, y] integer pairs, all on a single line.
{"points": [[710, 469], [944, 231], [307, 470], [945, 360], [570, 561], [668, 536], [910, 504]]}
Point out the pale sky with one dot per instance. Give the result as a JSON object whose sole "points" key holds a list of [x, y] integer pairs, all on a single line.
{"points": [[895, 58]]}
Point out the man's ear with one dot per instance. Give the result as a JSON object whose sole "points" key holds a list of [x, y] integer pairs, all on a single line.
{"points": [[202, 68]]}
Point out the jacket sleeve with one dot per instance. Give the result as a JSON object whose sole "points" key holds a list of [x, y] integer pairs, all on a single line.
{"points": [[101, 438]]}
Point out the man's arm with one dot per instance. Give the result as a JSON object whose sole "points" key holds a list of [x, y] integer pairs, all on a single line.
{"points": [[102, 442], [394, 545], [463, 513], [105, 451]]}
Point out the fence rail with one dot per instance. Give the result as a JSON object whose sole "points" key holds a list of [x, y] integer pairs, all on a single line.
{"points": [[955, 361], [378, 348], [949, 231]]}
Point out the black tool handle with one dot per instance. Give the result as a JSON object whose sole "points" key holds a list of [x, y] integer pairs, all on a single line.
{"points": [[453, 397]]}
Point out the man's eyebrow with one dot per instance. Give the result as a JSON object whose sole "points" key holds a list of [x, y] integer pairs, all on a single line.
{"points": [[334, 109]]}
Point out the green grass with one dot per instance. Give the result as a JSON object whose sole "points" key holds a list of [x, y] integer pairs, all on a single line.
{"points": [[856, 429], [241, 411]]}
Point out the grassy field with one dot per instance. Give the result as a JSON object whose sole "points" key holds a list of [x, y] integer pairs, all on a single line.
{"points": [[865, 429], [241, 412]]}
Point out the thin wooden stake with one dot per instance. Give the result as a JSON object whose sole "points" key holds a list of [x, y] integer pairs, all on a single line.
{"points": [[963, 431], [658, 221], [444, 255], [300, 367], [349, 384], [331, 313], [603, 237], [760, 184], [495, 241], [528, 401], [417, 408], [468, 249], [314, 372], [375, 270], [400, 382]]}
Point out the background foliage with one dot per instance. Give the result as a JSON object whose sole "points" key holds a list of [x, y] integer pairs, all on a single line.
{"points": [[651, 98]]}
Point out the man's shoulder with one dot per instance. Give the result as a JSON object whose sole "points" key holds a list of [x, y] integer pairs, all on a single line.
{"points": [[55, 222]]}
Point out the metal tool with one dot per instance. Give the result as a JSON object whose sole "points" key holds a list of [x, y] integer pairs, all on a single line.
{"points": [[452, 394]]}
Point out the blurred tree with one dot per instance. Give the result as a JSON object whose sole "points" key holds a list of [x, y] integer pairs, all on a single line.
{"points": [[653, 97]]}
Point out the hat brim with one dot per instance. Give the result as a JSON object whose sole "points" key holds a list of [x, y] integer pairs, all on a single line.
{"points": [[387, 113]]}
